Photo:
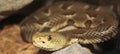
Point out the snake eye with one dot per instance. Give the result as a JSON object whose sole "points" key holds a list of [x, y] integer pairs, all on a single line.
{"points": [[49, 37], [43, 42]]}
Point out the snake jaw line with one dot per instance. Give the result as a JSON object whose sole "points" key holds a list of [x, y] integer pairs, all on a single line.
{"points": [[57, 41]]}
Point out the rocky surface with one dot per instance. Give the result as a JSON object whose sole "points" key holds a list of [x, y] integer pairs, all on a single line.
{"points": [[73, 49], [8, 7]]}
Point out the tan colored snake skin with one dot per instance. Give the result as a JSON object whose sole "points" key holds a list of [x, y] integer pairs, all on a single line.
{"points": [[93, 24]]}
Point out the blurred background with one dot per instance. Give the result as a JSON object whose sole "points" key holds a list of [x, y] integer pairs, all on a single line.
{"points": [[12, 12]]}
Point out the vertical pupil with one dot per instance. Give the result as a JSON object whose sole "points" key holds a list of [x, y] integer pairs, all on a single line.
{"points": [[43, 42], [49, 37]]}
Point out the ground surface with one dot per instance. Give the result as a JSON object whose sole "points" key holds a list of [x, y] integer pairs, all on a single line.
{"points": [[11, 42]]}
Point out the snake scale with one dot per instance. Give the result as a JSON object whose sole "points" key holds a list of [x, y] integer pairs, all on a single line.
{"points": [[92, 24]]}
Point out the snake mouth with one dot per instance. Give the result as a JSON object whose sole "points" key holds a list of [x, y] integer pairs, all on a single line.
{"points": [[46, 47], [43, 48]]}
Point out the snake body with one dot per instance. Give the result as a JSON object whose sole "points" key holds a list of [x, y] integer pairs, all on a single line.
{"points": [[94, 24]]}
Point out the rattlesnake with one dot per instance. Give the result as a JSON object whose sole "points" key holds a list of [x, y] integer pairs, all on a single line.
{"points": [[92, 24]]}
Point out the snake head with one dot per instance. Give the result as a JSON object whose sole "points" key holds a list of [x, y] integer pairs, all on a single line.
{"points": [[49, 41]]}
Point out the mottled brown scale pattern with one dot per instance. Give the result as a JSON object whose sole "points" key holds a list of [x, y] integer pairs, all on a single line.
{"points": [[94, 24], [57, 22]]}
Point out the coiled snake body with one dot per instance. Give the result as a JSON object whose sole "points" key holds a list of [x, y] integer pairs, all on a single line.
{"points": [[92, 24]]}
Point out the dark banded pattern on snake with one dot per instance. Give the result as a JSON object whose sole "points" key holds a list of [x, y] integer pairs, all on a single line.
{"points": [[93, 24]]}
